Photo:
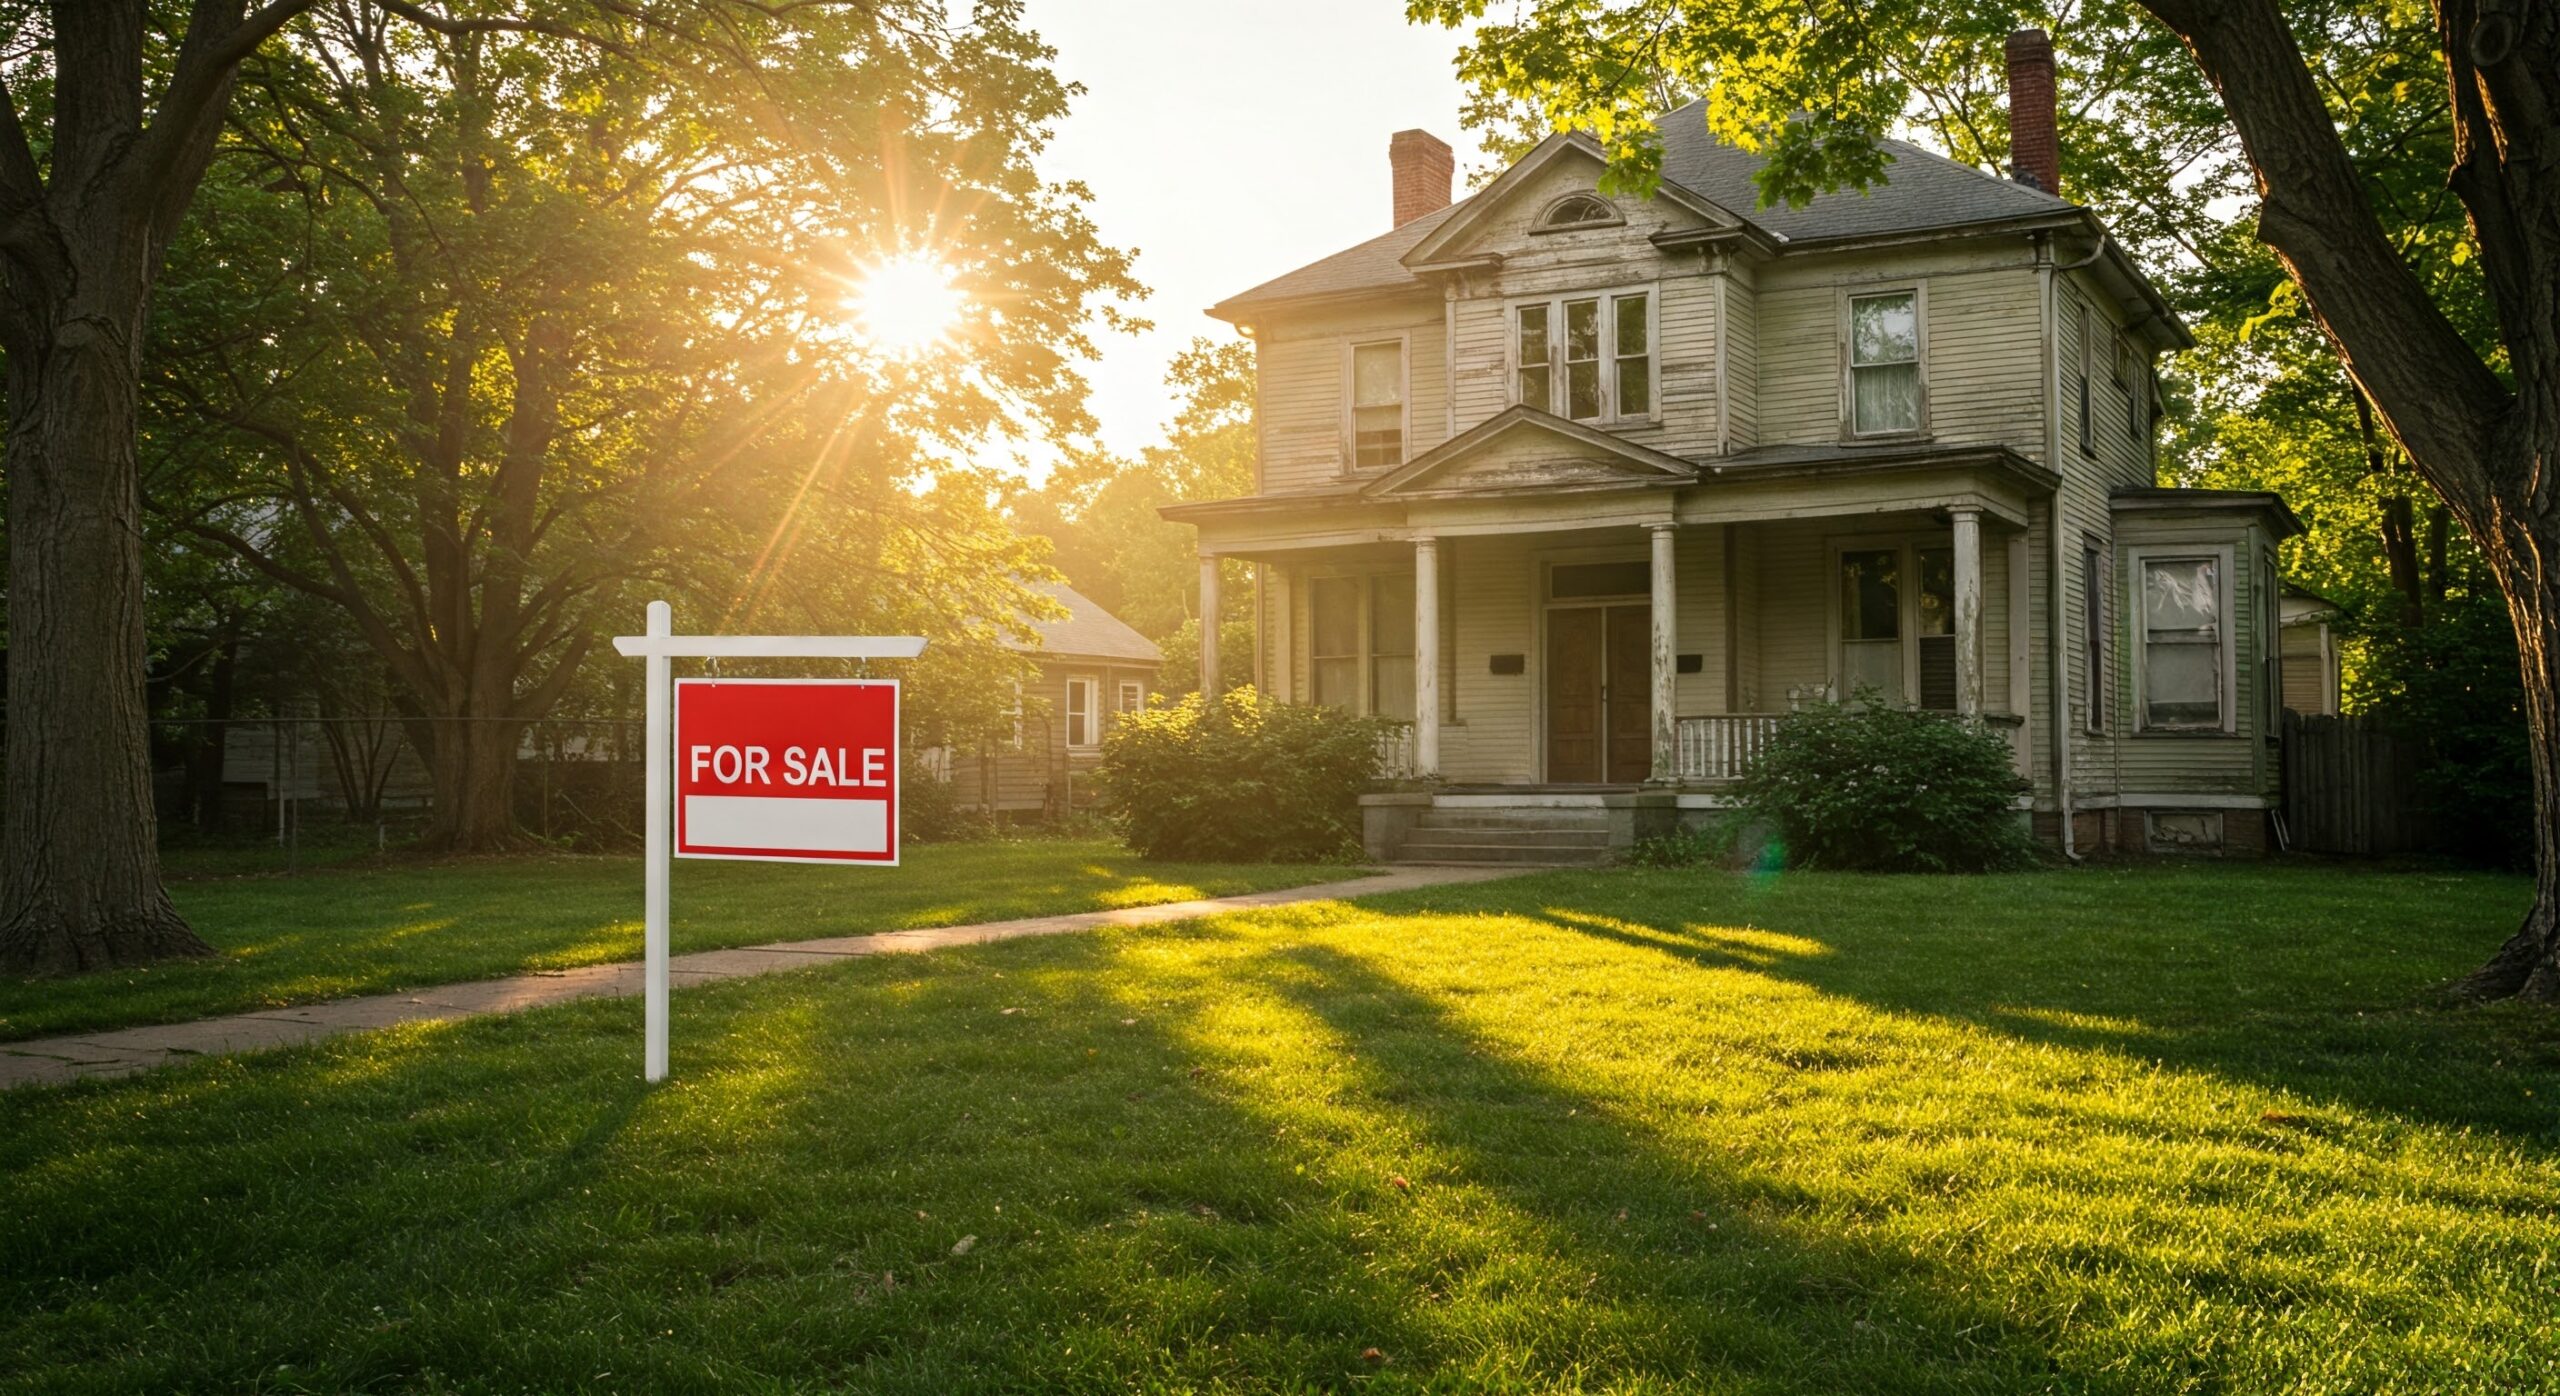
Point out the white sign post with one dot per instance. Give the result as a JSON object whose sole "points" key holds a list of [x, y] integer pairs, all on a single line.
{"points": [[660, 648]]}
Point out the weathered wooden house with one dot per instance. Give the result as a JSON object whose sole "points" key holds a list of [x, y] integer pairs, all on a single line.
{"points": [[1588, 488], [1093, 668]]}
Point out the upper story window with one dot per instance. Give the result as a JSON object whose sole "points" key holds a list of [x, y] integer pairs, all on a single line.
{"points": [[2127, 381], [2080, 381], [1577, 211], [1885, 394], [1377, 403], [1588, 358]]}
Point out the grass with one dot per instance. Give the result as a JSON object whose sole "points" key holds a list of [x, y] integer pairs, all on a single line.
{"points": [[2162, 1130], [380, 926]]}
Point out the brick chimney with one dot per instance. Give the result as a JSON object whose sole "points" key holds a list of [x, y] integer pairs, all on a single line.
{"points": [[1423, 165], [2035, 152]]}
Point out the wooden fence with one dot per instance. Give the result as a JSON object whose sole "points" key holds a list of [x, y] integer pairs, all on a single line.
{"points": [[2351, 787]]}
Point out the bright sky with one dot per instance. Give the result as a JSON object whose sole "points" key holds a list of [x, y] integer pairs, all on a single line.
{"points": [[1228, 141]]}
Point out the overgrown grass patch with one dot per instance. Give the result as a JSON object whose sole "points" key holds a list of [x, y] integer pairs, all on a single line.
{"points": [[384, 925], [2197, 1129]]}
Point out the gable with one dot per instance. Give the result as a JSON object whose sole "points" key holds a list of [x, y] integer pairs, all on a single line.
{"points": [[1506, 218], [1522, 450]]}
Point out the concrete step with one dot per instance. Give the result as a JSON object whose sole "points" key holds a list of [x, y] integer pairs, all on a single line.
{"points": [[1524, 854], [1514, 819], [1492, 835], [1530, 855]]}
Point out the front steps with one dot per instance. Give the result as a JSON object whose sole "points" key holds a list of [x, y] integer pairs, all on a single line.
{"points": [[1529, 837]]}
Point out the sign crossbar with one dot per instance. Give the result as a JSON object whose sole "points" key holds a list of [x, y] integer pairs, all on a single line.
{"points": [[660, 648]]}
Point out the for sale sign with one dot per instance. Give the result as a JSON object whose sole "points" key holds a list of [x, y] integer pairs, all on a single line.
{"points": [[787, 770]]}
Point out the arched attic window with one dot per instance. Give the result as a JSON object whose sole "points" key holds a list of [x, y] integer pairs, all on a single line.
{"points": [[1577, 211]]}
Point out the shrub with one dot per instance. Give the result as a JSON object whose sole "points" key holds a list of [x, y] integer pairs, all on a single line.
{"points": [[1247, 779], [1682, 848], [929, 810], [1889, 789]]}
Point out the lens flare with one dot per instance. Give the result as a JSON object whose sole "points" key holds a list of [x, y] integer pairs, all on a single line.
{"points": [[906, 305]]}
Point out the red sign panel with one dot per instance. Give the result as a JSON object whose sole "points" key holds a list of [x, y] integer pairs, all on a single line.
{"points": [[787, 770]]}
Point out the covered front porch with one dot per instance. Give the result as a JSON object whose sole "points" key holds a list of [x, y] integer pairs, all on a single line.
{"points": [[1651, 656]]}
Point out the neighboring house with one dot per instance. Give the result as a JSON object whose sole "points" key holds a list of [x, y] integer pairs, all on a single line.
{"points": [[1093, 668], [1586, 488], [2309, 653]]}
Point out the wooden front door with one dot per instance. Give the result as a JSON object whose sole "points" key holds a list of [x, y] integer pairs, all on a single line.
{"points": [[1599, 695]]}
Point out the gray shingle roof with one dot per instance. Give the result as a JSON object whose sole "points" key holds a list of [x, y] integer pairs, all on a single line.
{"points": [[1922, 190], [1089, 631]]}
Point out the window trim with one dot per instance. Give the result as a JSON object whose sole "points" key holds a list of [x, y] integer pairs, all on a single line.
{"points": [[1545, 221], [2097, 591], [1349, 426], [2088, 427], [1092, 688], [1608, 297], [1848, 293], [2136, 561], [1123, 693]]}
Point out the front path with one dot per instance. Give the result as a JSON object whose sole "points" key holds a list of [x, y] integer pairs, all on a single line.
{"points": [[54, 1060]]}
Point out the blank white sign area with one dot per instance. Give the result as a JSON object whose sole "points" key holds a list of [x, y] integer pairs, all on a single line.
{"points": [[815, 826]]}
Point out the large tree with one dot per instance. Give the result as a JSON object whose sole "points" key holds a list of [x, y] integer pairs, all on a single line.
{"points": [[105, 131], [1814, 86], [541, 320]]}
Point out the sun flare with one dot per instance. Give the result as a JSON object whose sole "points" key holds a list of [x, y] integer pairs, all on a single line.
{"points": [[906, 305]]}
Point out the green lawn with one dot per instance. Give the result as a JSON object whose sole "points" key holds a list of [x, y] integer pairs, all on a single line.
{"points": [[2199, 1129], [403, 924]]}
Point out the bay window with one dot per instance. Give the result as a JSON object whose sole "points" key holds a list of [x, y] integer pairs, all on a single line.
{"points": [[2185, 634], [1587, 358]]}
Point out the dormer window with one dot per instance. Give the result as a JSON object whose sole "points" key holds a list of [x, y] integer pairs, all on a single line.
{"points": [[1577, 211]]}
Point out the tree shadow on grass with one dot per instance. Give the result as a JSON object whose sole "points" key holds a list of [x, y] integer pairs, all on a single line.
{"points": [[2329, 990]]}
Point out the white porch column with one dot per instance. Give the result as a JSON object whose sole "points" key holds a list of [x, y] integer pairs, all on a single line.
{"points": [[1426, 658], [1968, 549], [1666, 631], [1208, 625]]}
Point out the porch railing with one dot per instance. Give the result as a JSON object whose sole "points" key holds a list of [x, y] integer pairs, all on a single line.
{"points": [[1395, 752], [1723, 746]]}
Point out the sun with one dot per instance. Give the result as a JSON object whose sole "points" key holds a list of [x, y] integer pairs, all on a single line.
{"points": [[906, 304]]}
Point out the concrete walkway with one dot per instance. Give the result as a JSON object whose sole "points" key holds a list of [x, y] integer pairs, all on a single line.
{"points": [[53, 1060]]}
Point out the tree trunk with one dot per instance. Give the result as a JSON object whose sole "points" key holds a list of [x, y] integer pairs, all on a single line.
{"points": [[473, 766], [205, 762], [79, 854], [2528, 965]]}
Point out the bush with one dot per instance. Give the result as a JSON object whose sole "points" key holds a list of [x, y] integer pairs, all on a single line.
{"points": [[1248, 779], [929, 810], [1682, 848], [1889, 790]]}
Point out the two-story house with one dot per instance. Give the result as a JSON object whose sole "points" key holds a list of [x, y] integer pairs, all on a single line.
{"points": [[1587, 488]]}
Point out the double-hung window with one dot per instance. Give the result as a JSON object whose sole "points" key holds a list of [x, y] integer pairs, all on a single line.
{"points": [[1391, 645], [1377, 403], [1884, 363], [1871, 623], [2080, 381], [1133, 696], [1333, 641], [1587, 358], [1084, 715], [2186, 638]]}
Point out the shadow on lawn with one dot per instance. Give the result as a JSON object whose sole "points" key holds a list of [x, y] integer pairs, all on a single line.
{"points": [[2335, 994]]}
